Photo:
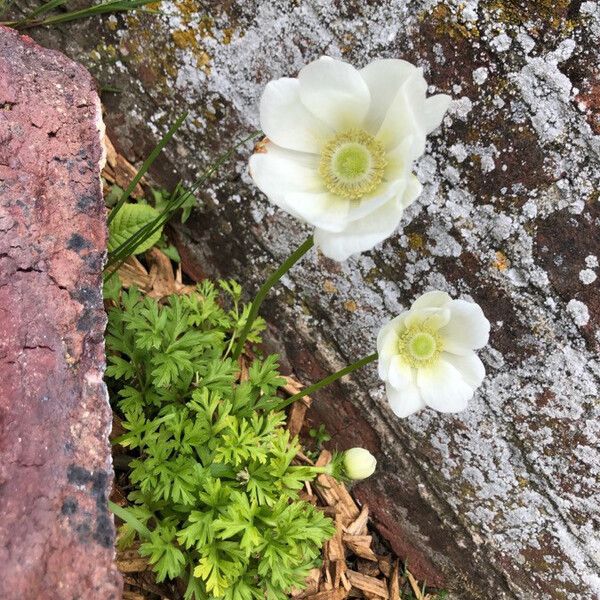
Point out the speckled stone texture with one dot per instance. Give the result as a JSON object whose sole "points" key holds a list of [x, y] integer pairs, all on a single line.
{"points": [[500, 501], [56, 534]]}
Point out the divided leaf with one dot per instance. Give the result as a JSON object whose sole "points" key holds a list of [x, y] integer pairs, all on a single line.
{"points": [[167, 559]]}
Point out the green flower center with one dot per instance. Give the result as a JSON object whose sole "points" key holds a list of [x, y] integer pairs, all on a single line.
{"points": [[420, 347], [352, 164]]}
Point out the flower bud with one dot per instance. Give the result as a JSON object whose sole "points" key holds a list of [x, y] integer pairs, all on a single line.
{"points": [[359, 463]]}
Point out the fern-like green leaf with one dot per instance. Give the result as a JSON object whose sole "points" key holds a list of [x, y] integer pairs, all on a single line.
{"points": [[167, 559]]}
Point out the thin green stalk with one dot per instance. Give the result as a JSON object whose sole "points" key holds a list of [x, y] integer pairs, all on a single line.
{"points": [[126, 516], [146, 165], [110, 89], [42, 9], [265, 288], [179, 197], [38, 12], [112, 6], [124, 250], [330, 379], [233, 336]]}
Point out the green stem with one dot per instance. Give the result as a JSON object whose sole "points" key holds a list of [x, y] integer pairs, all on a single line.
{"points": [[329, 379], [264, 290], [112, 6]]}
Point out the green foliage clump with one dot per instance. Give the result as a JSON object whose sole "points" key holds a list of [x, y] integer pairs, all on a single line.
{"points": [[215, 495]]}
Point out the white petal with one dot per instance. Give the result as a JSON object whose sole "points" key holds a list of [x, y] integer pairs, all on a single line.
{"points": [[321, 209], [404, 402], [362, 234], [384, 193], [434, 299], [400, 374], [433, 317], [383, 366], [399, 160], [402, 119], [469, 366], [334, 92], [279, 170], [384, 78], [387, 338], [467, 330], [388, 349], [434, 111], [443, 387], [391, 327], [387, 344], [412, 191], [402, 156], [287, 122]]}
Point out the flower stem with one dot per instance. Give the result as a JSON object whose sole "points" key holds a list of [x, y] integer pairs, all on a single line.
{"points": [[264, 290], [329, 379]]}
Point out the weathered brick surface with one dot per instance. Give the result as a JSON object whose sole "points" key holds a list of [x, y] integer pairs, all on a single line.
{"points": [[500, 501], [56, 534]]}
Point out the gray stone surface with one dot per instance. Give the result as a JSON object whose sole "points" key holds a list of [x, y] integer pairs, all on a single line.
{"points": [[56, 533], [502, 500]]}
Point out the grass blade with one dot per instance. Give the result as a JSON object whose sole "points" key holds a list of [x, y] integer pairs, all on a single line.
{"points": [[126, 516], [110, 89], [177, 200], [99, 9], [112, 6], [146, 165], [43, 9]]}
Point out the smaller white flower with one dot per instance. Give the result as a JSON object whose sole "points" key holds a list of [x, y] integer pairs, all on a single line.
{"points": [[426, 354], [359, 463]]}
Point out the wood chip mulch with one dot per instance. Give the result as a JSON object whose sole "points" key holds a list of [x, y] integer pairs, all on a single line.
{"points": [[355, 562]]}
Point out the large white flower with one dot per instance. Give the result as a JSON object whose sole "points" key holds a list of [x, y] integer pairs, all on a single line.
{"points": [[340, 148], [426, 354]]}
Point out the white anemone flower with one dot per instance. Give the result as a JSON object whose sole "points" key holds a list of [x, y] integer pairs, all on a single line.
{"points": [[340, 147], [426, 354]]}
